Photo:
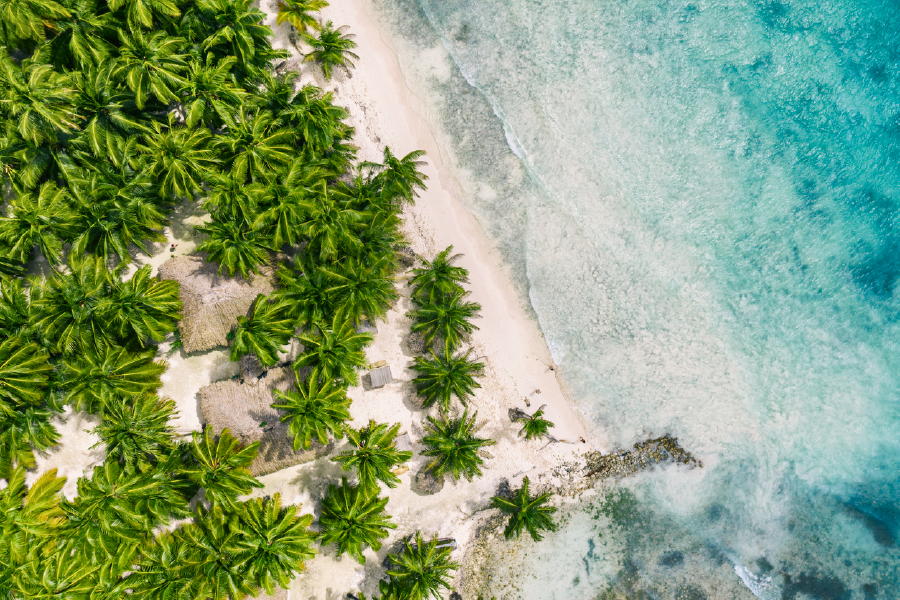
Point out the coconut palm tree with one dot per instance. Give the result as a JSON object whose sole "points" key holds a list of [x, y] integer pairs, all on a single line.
{"points": [[24, 374], [166, 568], [317, 408], [99, 375], [210, 97], [331, 48], [221, 466], [303, 290], [439, 278], [455, 448], [106, 225], [374, 454], [151, 64], [231, 199], [379, 236], [447, 320], [179, 158], [140, 13], [37, 99], [336, 350], [108, 112], [67, 306], [235, 247], [142, 308], [263, 332], [296, 12], [23, 21], [329, 225], [362, 290], [21, 433], [535, 426], [82, 36], [254, 147], [399, 178], [282, 202], [239, 31], [37, 218], [526, 512], [19, 313], [421, 570], [135, 430], [310, 112], [444, 376], [353, 517]]}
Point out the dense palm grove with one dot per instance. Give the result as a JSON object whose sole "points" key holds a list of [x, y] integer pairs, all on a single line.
{"points": [[114, 112]]}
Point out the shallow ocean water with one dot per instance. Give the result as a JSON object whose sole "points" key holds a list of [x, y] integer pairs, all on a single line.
{"points": [[701, 201]]}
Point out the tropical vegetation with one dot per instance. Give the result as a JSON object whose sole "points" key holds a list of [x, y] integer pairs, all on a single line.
{"points": [[535, 425], [526, 512], [455, 448], [445, 376], [374, 454], [353, 518], [420, 571]]}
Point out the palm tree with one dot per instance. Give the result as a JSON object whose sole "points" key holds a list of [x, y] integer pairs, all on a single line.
{"points": [[210, 97], [67, 306], [455, 448], [99, 375], [166, 569], [526, 512], [140, 13], [18, 312], [421, 570], [303, 289], [263, 332], [142, 308], [535, 426], [26, 430], [310, 112], [235, 247], [24, 21], [354, 518], [239, 31], [438, 278], [150, 64], [336, 350], [231, 199], [443, 376], [447, 320], [282, 202], [135, 430], [254, 147], [36, 218], [374, 454], [328, 225], [37, 99], [317, 408], [31, 515], [296, 12], [221, 466], [363, 290], [81, 38], [179, 158], [331, 49], [379, 236], [399, 178]]}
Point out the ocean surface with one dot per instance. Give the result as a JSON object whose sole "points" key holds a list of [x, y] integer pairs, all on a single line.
{"points": [[700, 199]]}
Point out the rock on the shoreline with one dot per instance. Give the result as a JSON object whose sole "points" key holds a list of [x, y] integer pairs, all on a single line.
{"points": [[644, 455], [212, 302], [426, 484]]}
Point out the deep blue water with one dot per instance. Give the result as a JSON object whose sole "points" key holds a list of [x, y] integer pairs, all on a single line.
{"points": [[701, 201]]}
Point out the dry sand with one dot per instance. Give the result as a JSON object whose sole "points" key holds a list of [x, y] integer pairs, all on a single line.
{"points": [[509, 341]]}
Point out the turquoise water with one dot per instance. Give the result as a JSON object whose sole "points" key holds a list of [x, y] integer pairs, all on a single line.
{"points": [[701, 201]]}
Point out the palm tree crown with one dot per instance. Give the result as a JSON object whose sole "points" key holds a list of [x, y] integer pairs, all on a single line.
{"points": [[447, 320], [421, 570], [331, 49], [263, 332], [455, 448], [316, 409], [438, 279], [444, 376], [374, 454], [336, 350], [353, 517], [526, 512], [296, 12]]}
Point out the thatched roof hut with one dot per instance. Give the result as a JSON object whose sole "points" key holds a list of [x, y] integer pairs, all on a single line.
{"points": [[212, 302], [245, 408]]}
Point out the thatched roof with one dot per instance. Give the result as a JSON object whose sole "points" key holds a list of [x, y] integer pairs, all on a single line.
{"points": [[212, 302], [242, 407]]}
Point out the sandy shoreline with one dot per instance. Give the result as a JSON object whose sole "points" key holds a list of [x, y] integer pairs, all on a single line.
{"points": [[509, 341]]}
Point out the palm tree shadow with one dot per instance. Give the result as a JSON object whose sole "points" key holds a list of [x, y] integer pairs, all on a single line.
{"points": [[315, 477]]}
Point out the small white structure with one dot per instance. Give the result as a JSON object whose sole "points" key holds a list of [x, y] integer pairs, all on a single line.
{"points": [[380, 376]]}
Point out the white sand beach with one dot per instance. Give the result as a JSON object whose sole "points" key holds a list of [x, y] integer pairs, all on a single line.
{"points": [[509, 342]]}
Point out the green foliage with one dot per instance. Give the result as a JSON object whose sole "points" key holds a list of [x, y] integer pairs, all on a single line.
{"points": [[150, 64], [526, 512], [535, 426], [374, 454], [444, 376], [282, 202], [36, 219], [254, 146], [353, 517], [22, 433], [456, 450], [331, 48], [142, 308], [329, 226], [179, 158], [439, 278], [221, 466], [336, 350], [209, 95], [316, 409], [362, 289], [99, 375], [303, 290], [37, 99], [448, 320], [263, 332], [235, 247], [136, 430], [24, 374], [25, 20], [399, 178], [141, 13], [420, 571], [296, 12]]}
